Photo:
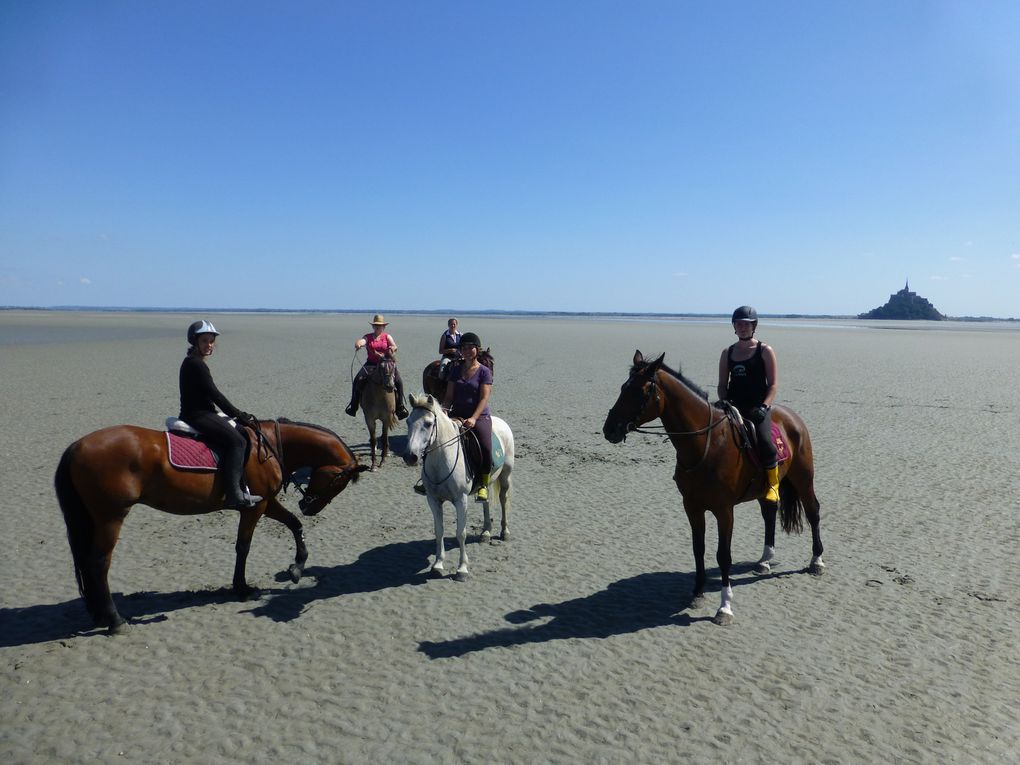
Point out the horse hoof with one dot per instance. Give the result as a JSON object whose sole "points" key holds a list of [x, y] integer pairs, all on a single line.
{"points": [[723, 619], [763, 569], [461, 576], [295, 572], [119, 628], [817, 568], [486, 536], [697, 601], [437, 573], [505, 535]]}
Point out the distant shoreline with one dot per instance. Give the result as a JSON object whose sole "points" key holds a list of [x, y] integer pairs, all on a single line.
{"points": [[463, 312]]}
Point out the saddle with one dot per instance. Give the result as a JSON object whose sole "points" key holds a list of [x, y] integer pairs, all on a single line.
{"points": [[187, 450], [747, 435], [473, 455]]}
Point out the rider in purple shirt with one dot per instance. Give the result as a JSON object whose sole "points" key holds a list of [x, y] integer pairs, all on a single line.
{"points": [[467, 397]]}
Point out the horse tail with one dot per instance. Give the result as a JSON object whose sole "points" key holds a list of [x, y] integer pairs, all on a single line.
{"points": [[791, 509], [80, 530]]}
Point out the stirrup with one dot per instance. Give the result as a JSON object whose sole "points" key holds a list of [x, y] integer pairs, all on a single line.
{"points": [[419, 488]]}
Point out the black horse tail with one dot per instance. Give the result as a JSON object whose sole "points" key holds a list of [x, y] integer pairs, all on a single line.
{"points": [[80, 530], [791, 509]]}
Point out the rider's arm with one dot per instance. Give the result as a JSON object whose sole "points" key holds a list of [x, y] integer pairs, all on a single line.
{"points": [[360, 343], [448, 396], [724, 375], [771, 374], [392, 349]]}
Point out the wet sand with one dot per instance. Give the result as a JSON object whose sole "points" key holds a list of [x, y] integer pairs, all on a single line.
{"points": [[573, 641]]}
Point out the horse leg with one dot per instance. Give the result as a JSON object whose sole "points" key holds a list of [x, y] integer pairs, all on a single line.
{"points": [[385, 441], [462, 570], [245, 529], [486, 522], [768, 514], [505, 491], [278, 512], [436, 506], [724, 521], [696, 517], [98, 569], [812, 511], [371, 437]]}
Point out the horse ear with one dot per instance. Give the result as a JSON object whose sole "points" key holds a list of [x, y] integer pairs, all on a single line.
{"points": [[638, 358], [429, 402], [415, 400], [658, 362]]}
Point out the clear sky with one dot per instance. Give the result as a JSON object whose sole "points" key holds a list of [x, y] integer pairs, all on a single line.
{"points": [[673, 156]]}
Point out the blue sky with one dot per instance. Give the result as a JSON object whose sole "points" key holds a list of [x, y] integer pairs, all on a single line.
{"points": [[804, 157]]}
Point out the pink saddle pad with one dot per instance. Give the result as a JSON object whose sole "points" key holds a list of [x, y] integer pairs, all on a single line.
{"points": [[782, 448], [189, 454]]}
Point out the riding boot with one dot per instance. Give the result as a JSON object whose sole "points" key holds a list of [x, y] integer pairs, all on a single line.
{"points": [[772, 479], [419, 488], [483, 491], [399, 395], [352, 408], [234, 497]]}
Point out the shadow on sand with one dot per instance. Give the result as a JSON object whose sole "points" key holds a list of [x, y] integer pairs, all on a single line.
{"points": [[628, 605], [380, 568]]}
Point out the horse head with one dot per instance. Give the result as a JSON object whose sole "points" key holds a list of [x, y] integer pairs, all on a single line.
{"points": [[421, 426], [331, 462], [637, 402]]}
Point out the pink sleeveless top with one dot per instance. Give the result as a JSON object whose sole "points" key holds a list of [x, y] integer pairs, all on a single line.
{"points": [[377, 347]]}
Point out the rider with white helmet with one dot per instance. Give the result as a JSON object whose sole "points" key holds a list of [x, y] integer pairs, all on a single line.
{"points": [[200, 399]]}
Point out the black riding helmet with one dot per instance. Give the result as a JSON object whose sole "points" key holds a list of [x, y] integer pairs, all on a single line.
{"points": [[470, 338], [745, 313]]}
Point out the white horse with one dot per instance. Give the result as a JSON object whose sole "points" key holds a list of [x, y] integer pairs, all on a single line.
{"points": [[434, 438]]}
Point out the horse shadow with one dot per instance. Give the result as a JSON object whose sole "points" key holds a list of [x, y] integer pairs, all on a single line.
{"points": [[380, 568], [625, 606], [398, 446]]}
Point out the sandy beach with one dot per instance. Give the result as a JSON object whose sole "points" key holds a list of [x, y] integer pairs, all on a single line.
{"points": [[572, 642]]}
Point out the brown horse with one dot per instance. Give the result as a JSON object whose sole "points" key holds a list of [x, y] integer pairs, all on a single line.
{"points": [[102, 475], [713, 472], [435, 386], [379, 403]]}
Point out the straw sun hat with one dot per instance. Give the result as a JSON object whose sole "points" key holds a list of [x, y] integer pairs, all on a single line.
{"points": [[379, 320]]}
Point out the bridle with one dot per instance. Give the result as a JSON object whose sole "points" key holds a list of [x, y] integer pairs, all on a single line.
{"points": [[660, 430], [430, 447]]}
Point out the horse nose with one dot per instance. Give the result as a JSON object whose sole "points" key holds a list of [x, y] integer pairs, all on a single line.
{"points": [[410, 459]]}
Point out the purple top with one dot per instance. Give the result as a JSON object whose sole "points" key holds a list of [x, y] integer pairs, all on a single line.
{"points": [[466, 393]]}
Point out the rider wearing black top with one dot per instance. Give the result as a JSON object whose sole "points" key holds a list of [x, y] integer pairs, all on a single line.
{"points": [[748, 377], [199, 400]]}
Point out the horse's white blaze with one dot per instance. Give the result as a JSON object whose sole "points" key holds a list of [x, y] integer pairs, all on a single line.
{"points": [[434, 439]]}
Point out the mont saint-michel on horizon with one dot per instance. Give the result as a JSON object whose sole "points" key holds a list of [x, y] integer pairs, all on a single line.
{"points": [[904, 305]]}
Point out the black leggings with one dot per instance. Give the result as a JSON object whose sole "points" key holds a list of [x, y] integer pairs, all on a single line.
{"points": [[222, 436], [483, 431], [766, 448]]}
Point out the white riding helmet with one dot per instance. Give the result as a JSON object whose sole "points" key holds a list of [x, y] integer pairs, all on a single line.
{"points": [[200, 328]]}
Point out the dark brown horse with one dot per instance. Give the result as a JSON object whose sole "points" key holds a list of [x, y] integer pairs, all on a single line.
{"points": [[435, 386], [713, 472], [102, 475]]}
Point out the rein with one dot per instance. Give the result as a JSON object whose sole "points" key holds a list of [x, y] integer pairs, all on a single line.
{"points": [[437, 446], [660, 430]]}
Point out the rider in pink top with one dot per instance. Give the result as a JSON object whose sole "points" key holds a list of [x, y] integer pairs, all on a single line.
{"points": [[381, 347]]}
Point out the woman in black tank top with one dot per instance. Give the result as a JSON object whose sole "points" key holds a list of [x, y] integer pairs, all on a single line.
{"points": [[748, 378]]}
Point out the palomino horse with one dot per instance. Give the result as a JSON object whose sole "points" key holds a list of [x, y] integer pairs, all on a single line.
{"points": [[434, 385], [102, 475], [379, 403], [713, 472], [435, 439]]}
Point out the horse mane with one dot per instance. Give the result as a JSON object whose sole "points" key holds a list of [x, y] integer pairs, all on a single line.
{"points": [[679, 375], [313, 426]]}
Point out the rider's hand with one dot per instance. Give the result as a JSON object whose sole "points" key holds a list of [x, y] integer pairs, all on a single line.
{"points": [[758, 414], [469, 422]]}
